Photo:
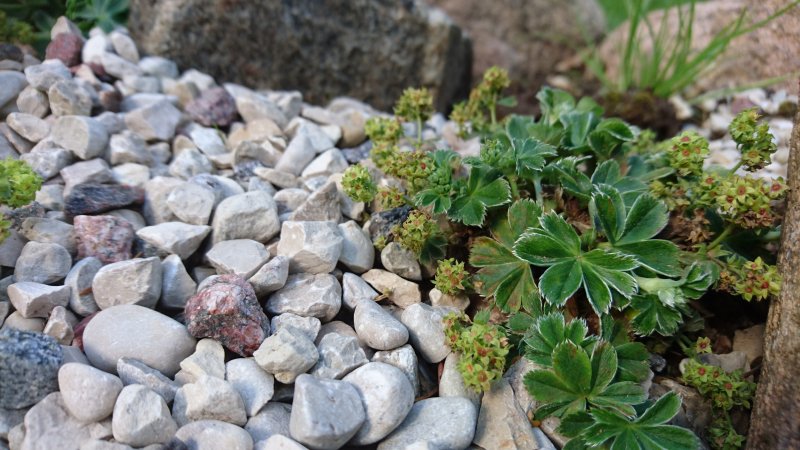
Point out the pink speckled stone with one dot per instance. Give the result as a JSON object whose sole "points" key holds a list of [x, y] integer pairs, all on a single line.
{"points": [[107, 238], [227, 310]]}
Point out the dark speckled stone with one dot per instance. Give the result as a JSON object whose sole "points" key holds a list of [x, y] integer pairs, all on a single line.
{"points": [[29, 365], [98, 198]]}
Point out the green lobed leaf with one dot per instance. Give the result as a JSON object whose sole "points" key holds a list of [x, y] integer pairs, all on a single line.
{"points": [[484, 189], [608, 211], [560, 281], [574, 367], [604, 366], [646, 218], [550, 330], [658, 255], [651, 315]]}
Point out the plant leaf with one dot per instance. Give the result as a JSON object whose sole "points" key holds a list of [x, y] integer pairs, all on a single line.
{"points": [[646, 218], [657, 255], [484, 189], [560, 281], [550, 330], [651, 315]]}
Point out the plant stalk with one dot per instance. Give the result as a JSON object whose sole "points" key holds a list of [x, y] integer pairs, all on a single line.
{"points": [[722, 236], [537, 187], [512, 181], [419, 131]]}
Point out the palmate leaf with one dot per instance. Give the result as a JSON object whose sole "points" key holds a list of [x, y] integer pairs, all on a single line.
{"points": [[609, 135], [651, 315], [502, 274], [550, 330], [578, 379], [632, 356], [484, 188]]}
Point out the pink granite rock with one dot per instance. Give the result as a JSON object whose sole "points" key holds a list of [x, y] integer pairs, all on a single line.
{"points": [[214, 107], [227, 310], [66, 47], [107, 238]]}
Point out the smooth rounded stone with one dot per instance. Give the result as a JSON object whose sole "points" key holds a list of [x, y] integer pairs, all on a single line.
{"points": [[94, 48], [338, 355], [405, 359], [207, 140], [378, 328], [124, 46], [117, 66], [84, 136], [290, 199], [191, 203], [42, 263], [53, 231], [322, 204], [29, 365], [132, 331], [214, 398], [158, 66], [443, 422], [44, 75], [12, 83], [426, 331], [59, 325], [141, 417], [214, 107], [271, 276], [188, 163], [156, 192], [98, 198], [28, 126], [252, 215], [399, 291], [88, 394], [214, 435], [279, 442], [327, 163], [451, 383], [309, 326], [271, 420], [31, 101], [208, 359], [401, 261], [241, 257], [286, 354], [297, 155], [133, 371], [501, 423], [387, 397], [99, 444], [154, 122], [253, 106], [325, 413], [356, 290], [68, 98], [15, 321], [11, 247], [37, 300], [127, 147], [283, 180], [107, 238], [750, 341], [176, 284], [228, 311], [47, 160], [253, 384], [438, 299], [312, 247], [48, 425], [133, 282], [357, 251], [178, 238], [309, 296]]}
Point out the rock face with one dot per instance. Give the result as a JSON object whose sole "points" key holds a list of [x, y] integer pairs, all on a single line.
{"points": [[527, 37], [344, 45], [28, 367], [765, 53]]}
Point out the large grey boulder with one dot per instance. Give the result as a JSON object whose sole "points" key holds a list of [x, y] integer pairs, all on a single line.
{"points": [[323, 49]]}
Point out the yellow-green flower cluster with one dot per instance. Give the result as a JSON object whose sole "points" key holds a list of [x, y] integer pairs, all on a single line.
{"points": [[415, 105], [754, 139], [413, 233], [390, 197], [451, 277], [687, 153], [357, 184], [480, 110], [746, 201], [18, 186], [483, 348]]}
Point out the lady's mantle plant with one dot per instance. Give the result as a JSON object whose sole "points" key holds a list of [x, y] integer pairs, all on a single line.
{"points": [[18, 186]]}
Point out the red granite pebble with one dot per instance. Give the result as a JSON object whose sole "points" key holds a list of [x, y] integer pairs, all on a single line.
{"points": [[66, 47], [214, 107], [107, 238]]}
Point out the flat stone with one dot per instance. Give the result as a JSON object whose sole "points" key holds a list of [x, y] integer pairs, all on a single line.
{"points": [[312, 247], [387, 397], [50, 231], [28, 126], [357, 251], [44, 75], [133, 371], [117, 66], [325, 413], [252, 215], [451, 383], [309, 326], [329, 162], [157, 191], [93, 171], [132, 331], [271, 276], [48, 160], [84, 136], [399, 291], [156, 121], [207, 140], [128, 147], [356, 290], [279, 442], [99, 198], [208, 359], [501, 423], [178, 238], [141, 417], [459, 301], [15, 321], [322, 204], [227, 310], [214, 434], [378, 328], [286, 354], [401, 261], [283, 180], [29, 365], [309, 296], [447, 422], [133, 282], [338, 355], [12, 83], [132, 174], [51, 196], [68, 98], [124, 46], [107, 238], [241, 257], [48, 425], [88, 394], [273, 419], [211, 398], [191, 203], [253, 384], [176, 284], [426, 331], [188, 163], [253, 106], [42, 263], [36, 299], [59, 325], [405, 359]]}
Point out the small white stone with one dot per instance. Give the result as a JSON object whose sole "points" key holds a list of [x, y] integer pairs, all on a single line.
{"points": [[254, 385], [208, 359], [89, 394], [215, 399], [141, 417]]}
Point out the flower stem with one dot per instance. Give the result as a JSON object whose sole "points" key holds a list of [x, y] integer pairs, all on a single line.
{"points": [[512, 180], [537, 186], [736, 167], [722, 236], [419, 131]]}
